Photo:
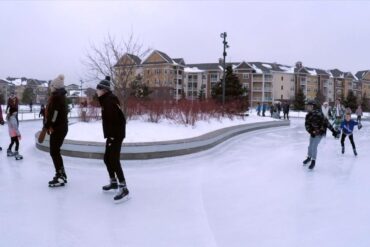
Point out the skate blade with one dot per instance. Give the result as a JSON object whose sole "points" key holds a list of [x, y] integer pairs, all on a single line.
{"points": [[56, 185], [124, 199]]}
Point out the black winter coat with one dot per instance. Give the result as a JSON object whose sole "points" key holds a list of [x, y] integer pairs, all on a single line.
{"points": [[56, 115], [316, 124], [114, 121]]}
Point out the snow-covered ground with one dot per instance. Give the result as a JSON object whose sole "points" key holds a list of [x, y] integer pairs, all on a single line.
{"points": [[140, 131], [249, 191]]}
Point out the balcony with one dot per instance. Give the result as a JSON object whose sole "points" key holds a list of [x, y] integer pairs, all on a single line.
{"points": [[257, 89], [268, 89]]}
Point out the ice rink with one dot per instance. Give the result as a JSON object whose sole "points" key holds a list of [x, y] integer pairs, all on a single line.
{"points": [[249, 191]]}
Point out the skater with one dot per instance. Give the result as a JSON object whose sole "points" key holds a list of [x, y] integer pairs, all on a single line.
{"points": [[56, 124], [12, 104], [325, 108], [359, 113], [258, 109], [15, 135], [114, 128], [263, 109], [316, 125], [1, 121], [347, 127], [42, 111], [286, 109]]}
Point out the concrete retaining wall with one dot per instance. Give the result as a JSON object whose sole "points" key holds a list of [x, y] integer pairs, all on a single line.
{"points": [[152, 150]]}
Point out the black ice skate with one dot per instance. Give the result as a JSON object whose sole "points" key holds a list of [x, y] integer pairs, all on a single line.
{"points": [[9, 153], [1, 149], [305, 162], [355, 152], [342, 150], [122, 194], [18, 156], [312, 165], [113, 185], [58, 180]]}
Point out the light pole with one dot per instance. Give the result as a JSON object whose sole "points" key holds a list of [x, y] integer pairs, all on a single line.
{"points": [[224, 35], [81, 89]]}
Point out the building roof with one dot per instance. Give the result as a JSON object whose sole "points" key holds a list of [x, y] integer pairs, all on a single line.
{"points": [[179, 61], [361, 74]]}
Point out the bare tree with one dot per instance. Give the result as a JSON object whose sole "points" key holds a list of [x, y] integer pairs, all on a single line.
{"points": [[117, 59]]}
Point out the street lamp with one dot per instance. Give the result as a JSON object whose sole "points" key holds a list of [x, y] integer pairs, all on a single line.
{"points": [[81, 89], [224, 35]]}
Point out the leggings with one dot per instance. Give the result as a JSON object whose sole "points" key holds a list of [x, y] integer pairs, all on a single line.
{"points": [[16, 141], [350, 138]]}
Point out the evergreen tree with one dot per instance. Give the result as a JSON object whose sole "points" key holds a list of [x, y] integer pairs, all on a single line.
{"points": [[351, 101], [233, 87], [365, 102], [299, 101], [2, 99], [139, 89], [28, 95], [201, 95], [320, 98]]}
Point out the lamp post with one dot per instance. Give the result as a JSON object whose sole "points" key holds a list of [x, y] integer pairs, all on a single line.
{"points": [[224, 35], [81, 89]]}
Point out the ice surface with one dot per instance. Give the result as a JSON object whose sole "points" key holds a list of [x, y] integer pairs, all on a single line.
{"points": [[251, 190]]}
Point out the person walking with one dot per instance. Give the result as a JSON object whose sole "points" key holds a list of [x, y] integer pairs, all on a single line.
{"points": [[316, 125], [114, 129], [286, 108], [359, 113], [56, 124]]}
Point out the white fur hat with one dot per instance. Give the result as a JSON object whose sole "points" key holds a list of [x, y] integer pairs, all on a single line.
{"points": [[58, 82]]}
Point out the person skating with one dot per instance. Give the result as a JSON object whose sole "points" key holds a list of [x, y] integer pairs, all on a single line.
{"points": [[316, 125], [114, 129], [15, 135], [1, 121], [56, 124], [12, 105], [347, 127], [286, 110], [359, 113]]}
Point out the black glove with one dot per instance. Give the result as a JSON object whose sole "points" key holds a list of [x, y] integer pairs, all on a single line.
{"points": [[336, 133], [2, 122], [359, 126], [312, 135]]}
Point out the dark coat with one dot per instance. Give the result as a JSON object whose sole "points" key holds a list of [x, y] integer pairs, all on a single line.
{"points": [[1, 116], [316, 124], [56, 114], [114, 121], [285, 107]]}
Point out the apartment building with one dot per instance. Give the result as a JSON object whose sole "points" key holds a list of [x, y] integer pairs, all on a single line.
{"points": [[363, 83]]}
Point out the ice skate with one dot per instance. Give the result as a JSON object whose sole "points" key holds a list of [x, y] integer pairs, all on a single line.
{"points": [[58, 181], [113, 185], [312, 165], [122, 194], [305, 162]]}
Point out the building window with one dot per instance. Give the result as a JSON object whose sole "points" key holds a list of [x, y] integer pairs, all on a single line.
{"points": [[281, 97], [282, 78], [282, 87], [245, 76], [214, 77]]}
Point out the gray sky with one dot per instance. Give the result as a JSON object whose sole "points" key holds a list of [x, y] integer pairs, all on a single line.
{"points": [[41, 39]]}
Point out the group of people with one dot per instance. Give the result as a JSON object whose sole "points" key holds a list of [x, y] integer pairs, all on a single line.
{"points": [[55, 123], [318, 120], [275, 109]]}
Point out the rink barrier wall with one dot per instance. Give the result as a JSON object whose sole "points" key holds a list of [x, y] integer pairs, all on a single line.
{"points": [[162, 149]]}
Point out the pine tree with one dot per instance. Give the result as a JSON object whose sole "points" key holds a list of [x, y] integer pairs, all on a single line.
{"points": [[139, 89], [299, 101], [365, 102], [28, 95], [351, 101], [320, 98], [233, 87]]}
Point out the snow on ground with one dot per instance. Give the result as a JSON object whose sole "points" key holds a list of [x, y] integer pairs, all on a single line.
{"points": [[251, 190], [139, 131]]}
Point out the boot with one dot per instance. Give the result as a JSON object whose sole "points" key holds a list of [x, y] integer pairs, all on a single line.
{"points": [[342, 149], [113, 185], [305, 162], [9, 153], [355, 152], [122, 193], [312, 165]]}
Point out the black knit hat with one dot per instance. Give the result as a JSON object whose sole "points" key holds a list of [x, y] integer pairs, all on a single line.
{"points": [[104, 84]]}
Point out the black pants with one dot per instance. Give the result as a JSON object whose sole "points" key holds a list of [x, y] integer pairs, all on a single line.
{"points": [[359, 119], [56, 141], [112, 159], [350, 138], [12, 141], [286, 114]]}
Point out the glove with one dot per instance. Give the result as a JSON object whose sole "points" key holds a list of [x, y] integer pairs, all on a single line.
{"points": [[312, 135], [2, 122], [336, 133], [359, 126]]}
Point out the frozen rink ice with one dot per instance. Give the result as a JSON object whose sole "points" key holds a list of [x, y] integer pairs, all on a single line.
{"points": [[251, 190]]}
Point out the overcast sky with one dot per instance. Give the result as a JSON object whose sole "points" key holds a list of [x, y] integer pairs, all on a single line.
{"points": [[41, 39]]}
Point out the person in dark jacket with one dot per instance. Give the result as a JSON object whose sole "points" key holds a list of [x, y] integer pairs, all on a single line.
{"points": [[56, 124], [316, 125], [286, 110], [1, 121], [114, 128], [347, 127], [42, 111], [12, 105]]}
